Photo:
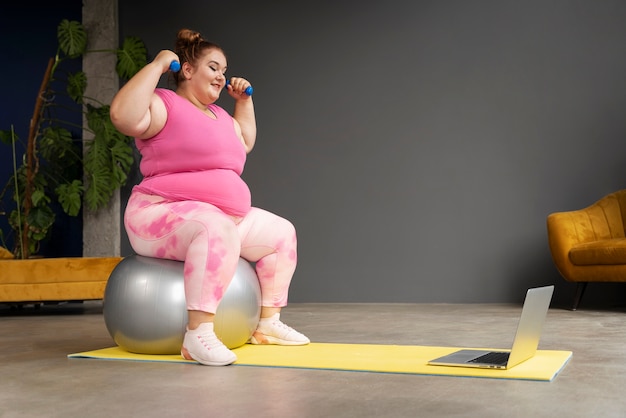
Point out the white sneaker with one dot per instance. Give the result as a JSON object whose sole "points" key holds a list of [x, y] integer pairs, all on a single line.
{"points": [[202, 345], [272, 331]]}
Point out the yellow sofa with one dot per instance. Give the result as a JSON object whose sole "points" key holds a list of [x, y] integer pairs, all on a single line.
{"points": [[589, 244], [54, 279]]}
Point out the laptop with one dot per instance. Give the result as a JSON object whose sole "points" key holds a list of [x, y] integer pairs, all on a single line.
{"points": [[525, 343]]}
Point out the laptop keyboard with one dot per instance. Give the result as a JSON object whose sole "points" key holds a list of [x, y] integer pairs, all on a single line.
{"points": [[499, 358]]}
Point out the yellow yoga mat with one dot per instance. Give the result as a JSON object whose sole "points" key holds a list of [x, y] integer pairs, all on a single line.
{"points": [[403, 359]]}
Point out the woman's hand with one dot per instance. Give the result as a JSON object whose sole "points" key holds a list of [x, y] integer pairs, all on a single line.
{"points": [[164, 58], [237, 88]]}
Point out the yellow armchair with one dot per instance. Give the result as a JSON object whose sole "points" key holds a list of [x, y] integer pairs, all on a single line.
{"points": [[54, 279], [589, 245]]}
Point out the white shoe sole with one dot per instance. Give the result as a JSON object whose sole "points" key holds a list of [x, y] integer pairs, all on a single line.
{"points": [[189, 356], [276, 341]]}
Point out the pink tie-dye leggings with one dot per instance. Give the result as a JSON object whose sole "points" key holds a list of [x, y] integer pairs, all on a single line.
{"points": [[210, 243]]}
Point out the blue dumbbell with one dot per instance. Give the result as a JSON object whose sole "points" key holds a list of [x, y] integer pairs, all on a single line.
{"points": [[175, 66]]}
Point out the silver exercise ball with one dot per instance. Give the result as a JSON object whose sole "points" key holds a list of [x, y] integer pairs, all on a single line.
{"points": [[145, 309]]}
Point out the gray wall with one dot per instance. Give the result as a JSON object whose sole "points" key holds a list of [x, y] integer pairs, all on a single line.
{"points": [[418, 146]]}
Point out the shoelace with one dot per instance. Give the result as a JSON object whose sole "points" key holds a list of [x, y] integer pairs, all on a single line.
{"points": [[286, 330], [210, 341]]}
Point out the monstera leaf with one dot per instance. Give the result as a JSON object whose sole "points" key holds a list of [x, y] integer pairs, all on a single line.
{"points": [[72, 38], [131, 57], [108, 158], [76, 86]]}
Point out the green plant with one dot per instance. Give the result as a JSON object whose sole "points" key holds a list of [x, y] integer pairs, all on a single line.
{"points": [[57, 165]]}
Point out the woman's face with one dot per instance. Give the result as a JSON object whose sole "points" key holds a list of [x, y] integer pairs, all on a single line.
{"points": [[207, 78]]}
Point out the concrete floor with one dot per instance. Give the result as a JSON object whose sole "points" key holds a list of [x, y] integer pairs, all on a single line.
{"points": [[39, 381]]}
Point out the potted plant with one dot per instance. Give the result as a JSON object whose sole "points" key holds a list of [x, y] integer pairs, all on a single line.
{"points": [[59, 166]]}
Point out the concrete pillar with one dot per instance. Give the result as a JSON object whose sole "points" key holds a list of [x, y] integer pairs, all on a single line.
{"points": [[101, 230]]}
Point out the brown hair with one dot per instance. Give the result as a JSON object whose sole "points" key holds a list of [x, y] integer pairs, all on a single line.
{"points": [[189, 47]]}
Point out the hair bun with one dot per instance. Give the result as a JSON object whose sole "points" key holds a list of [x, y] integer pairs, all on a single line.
{"points": [[187, 37]]}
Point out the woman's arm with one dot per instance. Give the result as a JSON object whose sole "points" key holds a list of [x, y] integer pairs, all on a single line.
{"points": [[135, 110]]}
